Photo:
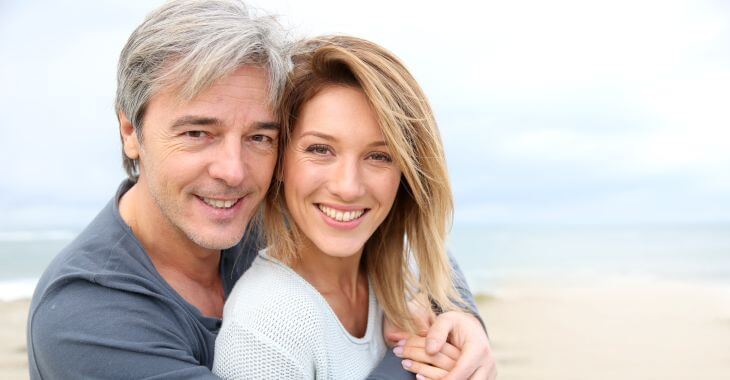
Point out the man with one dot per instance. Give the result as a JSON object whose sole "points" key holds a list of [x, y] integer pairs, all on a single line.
{"points": [[140, 292]]}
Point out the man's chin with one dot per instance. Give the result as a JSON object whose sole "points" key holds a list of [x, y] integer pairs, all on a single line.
{"points": [[216, 242]]}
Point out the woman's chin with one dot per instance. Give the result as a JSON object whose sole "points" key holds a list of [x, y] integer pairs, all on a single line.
{"points": [[340, 251]]}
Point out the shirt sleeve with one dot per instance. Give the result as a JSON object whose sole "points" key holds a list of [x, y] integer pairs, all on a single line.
{"points": [[463, 288], [87, 331], [241, 353]]}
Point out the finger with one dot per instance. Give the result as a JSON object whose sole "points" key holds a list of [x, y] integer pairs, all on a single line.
{"points": [[439, 332], [448, 349], [394, 337], [472, 357], [423, 369], [486, 372], [418, 354], [482, 373]]}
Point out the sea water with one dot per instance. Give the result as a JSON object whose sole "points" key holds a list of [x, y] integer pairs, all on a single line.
{"points": [[23, 257], [489, 254]]}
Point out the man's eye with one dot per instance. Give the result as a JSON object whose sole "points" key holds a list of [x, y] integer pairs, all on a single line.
{"points": [[262, 138], [318, 149], [195, 134]]}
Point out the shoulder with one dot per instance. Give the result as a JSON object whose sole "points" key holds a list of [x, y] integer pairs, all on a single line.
{"points": [[95, 310], [105, 246], [271, 291], [92, 321], [272, 303]]}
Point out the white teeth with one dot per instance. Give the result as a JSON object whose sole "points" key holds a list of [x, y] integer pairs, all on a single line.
{"points": [[217, 203], [340, 216]]}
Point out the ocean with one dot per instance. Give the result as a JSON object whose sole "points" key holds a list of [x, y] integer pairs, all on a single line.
{"points": [[489, 255]]}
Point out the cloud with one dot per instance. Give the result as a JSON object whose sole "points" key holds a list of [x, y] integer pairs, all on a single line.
{"points": [[550, 111]]}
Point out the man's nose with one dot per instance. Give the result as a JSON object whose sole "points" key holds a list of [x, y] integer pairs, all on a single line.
{"points": [[347, 182], [229, 163]]}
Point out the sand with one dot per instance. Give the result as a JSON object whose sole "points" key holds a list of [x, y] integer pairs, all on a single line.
{"points": [[13, 357], [542, 330], [611, 330]]}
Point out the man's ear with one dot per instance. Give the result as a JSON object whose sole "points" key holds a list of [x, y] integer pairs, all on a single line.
{"points": [[130, 142]]}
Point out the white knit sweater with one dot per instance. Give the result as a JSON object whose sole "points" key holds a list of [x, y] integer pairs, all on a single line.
{"points": [[277, 326]]}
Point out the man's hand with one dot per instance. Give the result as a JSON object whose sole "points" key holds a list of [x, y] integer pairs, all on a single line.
{"points": [[466, 334], [423, 316]]}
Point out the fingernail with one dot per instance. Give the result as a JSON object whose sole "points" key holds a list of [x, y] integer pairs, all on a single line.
{"points": [[401, 342], [407, 363], [398, 351], [420, 377], [431, 345]]}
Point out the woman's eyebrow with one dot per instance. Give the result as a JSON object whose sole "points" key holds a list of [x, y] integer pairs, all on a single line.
{"points": [[327, 137]]}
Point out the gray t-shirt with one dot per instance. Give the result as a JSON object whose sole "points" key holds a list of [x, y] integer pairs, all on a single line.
{"points": [[101, 310]]}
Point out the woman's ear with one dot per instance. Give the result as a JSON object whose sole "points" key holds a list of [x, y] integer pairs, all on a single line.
{"points": [[130, 142]]}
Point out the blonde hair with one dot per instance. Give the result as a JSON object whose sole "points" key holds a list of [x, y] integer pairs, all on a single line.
{"points": [[416, 227]]}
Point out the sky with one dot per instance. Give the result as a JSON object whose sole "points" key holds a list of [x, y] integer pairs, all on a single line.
{"points": [[560, 112]]}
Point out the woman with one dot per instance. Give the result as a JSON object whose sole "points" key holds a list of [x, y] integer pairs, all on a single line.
{"points": [[361, 194]]}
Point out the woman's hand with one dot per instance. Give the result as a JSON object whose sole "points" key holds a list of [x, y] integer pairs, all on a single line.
{"points": [[464, 333], [423, 364], [466, 355]]}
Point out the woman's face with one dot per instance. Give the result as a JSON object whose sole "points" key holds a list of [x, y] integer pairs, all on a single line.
{"points": [[339, 177]]}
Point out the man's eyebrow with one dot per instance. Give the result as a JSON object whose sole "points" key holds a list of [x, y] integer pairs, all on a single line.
{"points": [[267, 125], [212, 121], [195, 120]]}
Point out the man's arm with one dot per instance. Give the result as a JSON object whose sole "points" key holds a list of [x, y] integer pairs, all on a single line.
{"points": [[390, 367], [463, 288], [85, 331]]}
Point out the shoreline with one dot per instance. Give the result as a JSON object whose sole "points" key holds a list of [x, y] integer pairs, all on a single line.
{"points": [[609, 329]]}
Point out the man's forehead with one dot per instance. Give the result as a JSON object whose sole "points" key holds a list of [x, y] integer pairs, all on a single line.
{"points": [[246, 83], [220, 105]]}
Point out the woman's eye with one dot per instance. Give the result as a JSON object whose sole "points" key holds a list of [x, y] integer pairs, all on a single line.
{"points": [[318, 149], [380, 156]]}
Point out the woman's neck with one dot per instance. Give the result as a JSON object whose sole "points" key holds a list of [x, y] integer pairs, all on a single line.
{"points": [[342, 282], [327, 273]]}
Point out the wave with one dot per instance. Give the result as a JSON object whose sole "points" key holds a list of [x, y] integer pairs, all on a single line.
{"points": [[11, 290], [23, 236]]}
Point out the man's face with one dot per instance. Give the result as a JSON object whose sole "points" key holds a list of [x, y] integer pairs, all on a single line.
{"points": [[207, 163]]}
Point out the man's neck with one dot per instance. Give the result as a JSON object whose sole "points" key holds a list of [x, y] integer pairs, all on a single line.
{"points": [[193, 271]]}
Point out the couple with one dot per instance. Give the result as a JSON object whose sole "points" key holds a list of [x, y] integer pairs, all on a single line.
{"points": [[209, 107]]}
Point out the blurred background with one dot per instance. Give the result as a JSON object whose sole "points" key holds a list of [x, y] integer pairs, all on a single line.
{"points": [[588, 144]]}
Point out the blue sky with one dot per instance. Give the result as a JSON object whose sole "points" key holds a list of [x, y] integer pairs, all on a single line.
{"points": [[552, 112]]}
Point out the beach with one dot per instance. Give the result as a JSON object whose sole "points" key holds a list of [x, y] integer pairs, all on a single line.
{"points": [[13, 357], [612, 329]]}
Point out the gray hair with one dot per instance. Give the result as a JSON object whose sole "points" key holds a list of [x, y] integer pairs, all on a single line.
{"points": [[186, 45]]}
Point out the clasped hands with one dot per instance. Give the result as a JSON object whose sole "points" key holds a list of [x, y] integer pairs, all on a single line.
{"points": [[450, 346]]}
